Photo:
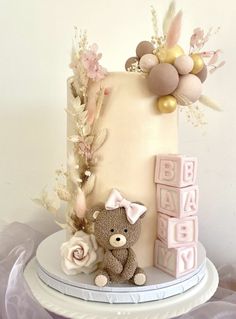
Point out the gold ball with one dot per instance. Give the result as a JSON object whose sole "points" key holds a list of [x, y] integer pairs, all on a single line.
{"points": [[167, 104], [169, 55], [198, 63]]}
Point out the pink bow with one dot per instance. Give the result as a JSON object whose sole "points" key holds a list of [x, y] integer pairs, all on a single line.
{"points": [[133, 210]]}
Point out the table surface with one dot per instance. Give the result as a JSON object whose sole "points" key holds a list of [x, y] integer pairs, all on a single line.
{"points": [[71, 307]]}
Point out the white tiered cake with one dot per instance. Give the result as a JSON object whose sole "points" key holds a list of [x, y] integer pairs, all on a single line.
{"points": [[136, 134], [131, 226]]}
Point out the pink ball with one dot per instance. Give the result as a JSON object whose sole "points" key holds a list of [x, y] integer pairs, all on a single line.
{"points": [[144, 47], [184, 64], [189, 89], [163, 79], [147, 62]]}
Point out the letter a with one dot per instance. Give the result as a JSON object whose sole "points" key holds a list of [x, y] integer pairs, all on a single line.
{"points": [[167, 200], [190, 203]]}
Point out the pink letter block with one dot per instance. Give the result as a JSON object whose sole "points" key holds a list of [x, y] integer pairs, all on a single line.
{"points": [[175, 261], [177, 202], [176, 170], [175, 232]]}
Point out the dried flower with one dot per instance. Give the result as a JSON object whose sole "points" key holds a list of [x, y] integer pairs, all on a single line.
{"points": [[89, 184], [194, 115], [216, 67], [73, 172], [90, 60], [154, 22], [207, 101], [168, 17], [63, 193], [87, 173], [107, 91], [199, 38], [80, 204], [215, 57], [49, 201]]}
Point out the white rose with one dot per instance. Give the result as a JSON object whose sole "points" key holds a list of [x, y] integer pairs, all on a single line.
{"points": [[80, 254]]}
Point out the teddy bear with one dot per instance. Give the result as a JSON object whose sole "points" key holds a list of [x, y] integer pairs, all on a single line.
{"points": [[117, 227]]}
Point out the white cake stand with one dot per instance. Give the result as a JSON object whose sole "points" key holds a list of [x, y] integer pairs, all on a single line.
{"points": [[74, 308], [159, 285]]}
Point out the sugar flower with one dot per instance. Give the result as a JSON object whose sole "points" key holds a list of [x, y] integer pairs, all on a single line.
{"points": [[80, 254]]}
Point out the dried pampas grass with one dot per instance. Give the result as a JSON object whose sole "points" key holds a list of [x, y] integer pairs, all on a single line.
{"points": [[207, 101], [174, 31], [168, 18]]}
